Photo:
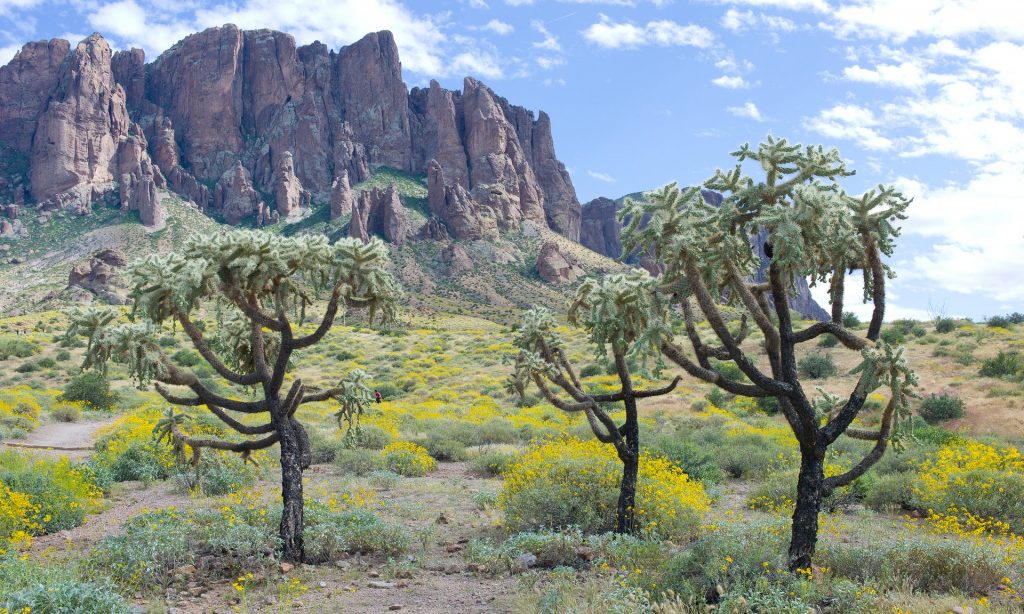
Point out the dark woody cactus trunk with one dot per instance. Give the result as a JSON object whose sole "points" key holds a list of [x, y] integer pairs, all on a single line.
{"points": [[292, 465], [810, 492], [625, 512]]}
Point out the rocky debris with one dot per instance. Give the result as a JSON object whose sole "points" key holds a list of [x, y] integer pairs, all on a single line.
{"points": [[556, 266], [465, 218], [341, 196], [288, 193], [458, 261], [600, 230], [139, 193], [380, 584], [434, 230], [379, 212], [234, 198], [100, 275]]}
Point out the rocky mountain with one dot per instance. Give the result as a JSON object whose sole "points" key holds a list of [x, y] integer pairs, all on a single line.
{"points": [[254, 129], [601, 231]]}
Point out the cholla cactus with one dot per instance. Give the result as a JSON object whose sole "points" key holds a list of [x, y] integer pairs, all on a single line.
{"points": [[815, 230], [624, 316], [255, 286]]}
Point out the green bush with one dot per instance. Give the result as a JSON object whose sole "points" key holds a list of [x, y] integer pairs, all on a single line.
{"points": [[889, 492], [357, 461], [372, 437], [698, 462], [944, 325], [1004, 364], [940, 407], [491, 463], [817, 366], [16, 347], [850, 319], [63, 491], [91, 387], [66, 412], [67, 597], [729, 370], [986, 493], [218, 474], [748, 456], [63, 355], [444, 449], [999, 322], [383, 479], [769, 405], [828, 341], [186, 357], [330, 534], [592, 370], [892, 336], [718, 397], [909, 328]]}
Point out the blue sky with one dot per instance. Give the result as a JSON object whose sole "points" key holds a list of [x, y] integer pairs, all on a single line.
{"points": [[925, 94]]}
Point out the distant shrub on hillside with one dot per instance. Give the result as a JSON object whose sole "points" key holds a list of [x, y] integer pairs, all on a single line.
{"points": [[817, 366], [850, 319], [942, 406], [18, 348], [1004, 364], [944, 325]]}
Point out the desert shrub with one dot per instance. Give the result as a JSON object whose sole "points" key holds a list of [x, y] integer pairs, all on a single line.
{"points": [[63, 355], [17, 519], [769, 405], [92, 388], [186, 357], [322, 448], [67, 596], [60, 491], [892, 336], [944, 325], [128, 450], [999, 322], [344, 355], [217, 474], [592, 370], [1004, 364], [748, 456], [28, 366], [889, 492], [383, 479], [331, 533], [817, 366], [357, 461], [576, 483], [850, 319], [729, 370], [491, 463], [777, 492], [389, 391], [930, 434], [445, 449], [828, 341], [66, 412], [718, 397], [20, 408], [696, 461], [976, 479], [941, 406], [17, 348], [929, 563], [408, 459], [497, 431], [372, 437], [908, 328]]}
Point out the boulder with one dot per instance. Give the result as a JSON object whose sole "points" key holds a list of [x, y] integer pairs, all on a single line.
{"points": [[556, 266], [288, 193], [139, 193], [101, 276]]}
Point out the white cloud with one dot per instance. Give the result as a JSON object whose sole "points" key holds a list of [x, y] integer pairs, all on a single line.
{"points": [[665, 33], [550, 41], [901, 20], [853, 301], [478, 4], [605, 177], [729, 64], [790, 5], [547, 62], [549, 82], [499, 27], [730, 82], [476, 64], [738, 20], [10, 6], [128, 23], [749, 110], [7, 53], [906, 74], [850, 122]]}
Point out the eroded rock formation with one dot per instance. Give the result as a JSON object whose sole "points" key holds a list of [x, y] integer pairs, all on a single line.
{"points": [[379, 212], [100, 275]]}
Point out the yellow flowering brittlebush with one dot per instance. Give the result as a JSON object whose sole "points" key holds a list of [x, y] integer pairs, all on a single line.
{"points": [[408, 459], [17, 523], [568, 481]]}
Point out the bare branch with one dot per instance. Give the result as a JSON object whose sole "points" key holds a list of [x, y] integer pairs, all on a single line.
{"points": [[200, 344], [838, 331], [325, 323]]}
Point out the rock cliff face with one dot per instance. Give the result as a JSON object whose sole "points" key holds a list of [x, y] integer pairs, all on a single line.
{"points": [[379, 212], [295, 119], [601, 232]]}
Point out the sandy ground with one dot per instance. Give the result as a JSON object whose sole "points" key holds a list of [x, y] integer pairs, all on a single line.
{"points": [[74, 439]]}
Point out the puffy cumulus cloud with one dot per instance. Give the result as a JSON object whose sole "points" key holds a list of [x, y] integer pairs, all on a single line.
{"points": [[901, 20], [130, 25], [977, 230], [731, 82], [548, 63], [549, 42], [477, 64], [9, 7], [665, 33], [737, 21], [850, 122], [749, 110], [498, 27]]}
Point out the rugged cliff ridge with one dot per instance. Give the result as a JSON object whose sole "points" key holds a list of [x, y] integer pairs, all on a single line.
{"points": [[601, 231], [250, 127]]}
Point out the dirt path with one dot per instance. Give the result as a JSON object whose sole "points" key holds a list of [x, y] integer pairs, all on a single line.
{"points": [[74, 439]]}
